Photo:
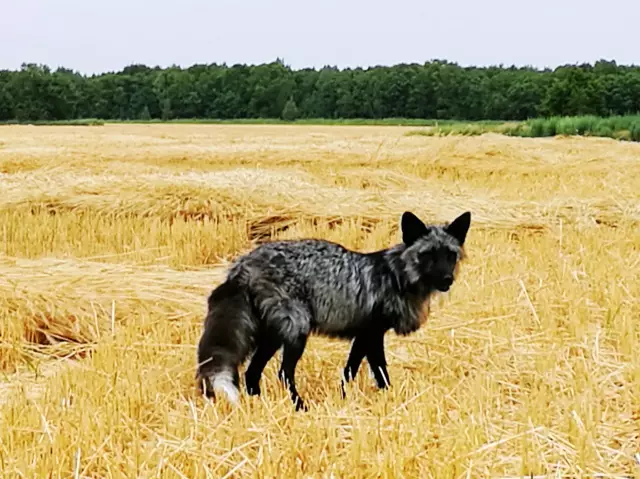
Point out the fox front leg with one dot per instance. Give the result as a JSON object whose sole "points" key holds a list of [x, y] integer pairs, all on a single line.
{"points": [[357, 354], [371, 346], [377, 361]]}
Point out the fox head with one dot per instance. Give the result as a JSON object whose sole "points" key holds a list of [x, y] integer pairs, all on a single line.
{"points": [[432, 253]]}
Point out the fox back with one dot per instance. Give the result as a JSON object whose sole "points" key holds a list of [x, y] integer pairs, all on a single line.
{"points": [[337, 291]]}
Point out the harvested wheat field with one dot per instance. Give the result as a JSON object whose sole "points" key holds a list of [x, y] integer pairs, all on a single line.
{"points": [[112, 237]]}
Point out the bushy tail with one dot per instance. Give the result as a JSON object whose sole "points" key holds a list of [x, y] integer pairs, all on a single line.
{"points": [[228, 337]]}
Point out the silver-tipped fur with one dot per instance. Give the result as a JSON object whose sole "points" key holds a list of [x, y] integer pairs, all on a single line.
{"points": [[281, 292]]}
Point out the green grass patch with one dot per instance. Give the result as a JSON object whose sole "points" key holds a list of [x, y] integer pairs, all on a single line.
{"points": [[79, 122], [467, 129], [251, 121], [301, 121], [625, 128]]}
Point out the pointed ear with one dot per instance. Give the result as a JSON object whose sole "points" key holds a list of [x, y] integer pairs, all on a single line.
{"points": [[412, 228], [458, 228]]}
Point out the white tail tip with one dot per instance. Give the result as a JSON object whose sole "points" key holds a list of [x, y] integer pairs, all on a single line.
{"points": [[223, 381]]}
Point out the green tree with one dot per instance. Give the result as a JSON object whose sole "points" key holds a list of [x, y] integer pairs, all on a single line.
{"points": [[144, 114], [436, 90], [166, 109], [290, 111]]}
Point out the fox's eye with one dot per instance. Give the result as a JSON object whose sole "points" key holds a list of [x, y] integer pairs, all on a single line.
{"points": [[451, 256]]}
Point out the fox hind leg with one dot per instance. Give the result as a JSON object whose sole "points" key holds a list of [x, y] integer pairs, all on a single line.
{"points": [[291, 354], [265, 351], [290, 321]]}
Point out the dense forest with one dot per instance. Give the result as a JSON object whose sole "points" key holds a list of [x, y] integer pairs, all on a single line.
{"points": [[434, 90]]}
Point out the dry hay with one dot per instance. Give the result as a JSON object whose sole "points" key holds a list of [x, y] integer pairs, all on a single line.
{"points": [[91, 291], [258, 194], [113, 236]]}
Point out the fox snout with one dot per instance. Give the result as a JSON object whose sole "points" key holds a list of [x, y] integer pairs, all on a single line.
{"points": [[444, 283]]}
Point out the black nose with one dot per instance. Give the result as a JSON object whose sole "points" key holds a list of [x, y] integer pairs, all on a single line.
{"points": [[448, 279]]}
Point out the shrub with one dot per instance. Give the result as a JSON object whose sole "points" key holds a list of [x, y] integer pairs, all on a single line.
{"points": [[634, 131], [290, 111]]}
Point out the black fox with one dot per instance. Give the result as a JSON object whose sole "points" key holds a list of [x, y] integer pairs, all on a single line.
{"points": [[279, 293]]}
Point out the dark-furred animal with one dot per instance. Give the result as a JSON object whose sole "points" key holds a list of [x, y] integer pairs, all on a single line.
{"points": [[281, 292]]}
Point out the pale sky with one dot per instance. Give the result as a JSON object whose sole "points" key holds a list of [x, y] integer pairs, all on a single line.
{"points": [[104, 35]]}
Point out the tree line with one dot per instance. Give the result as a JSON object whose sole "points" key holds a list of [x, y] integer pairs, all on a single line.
{"points": [[433, 90]]}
